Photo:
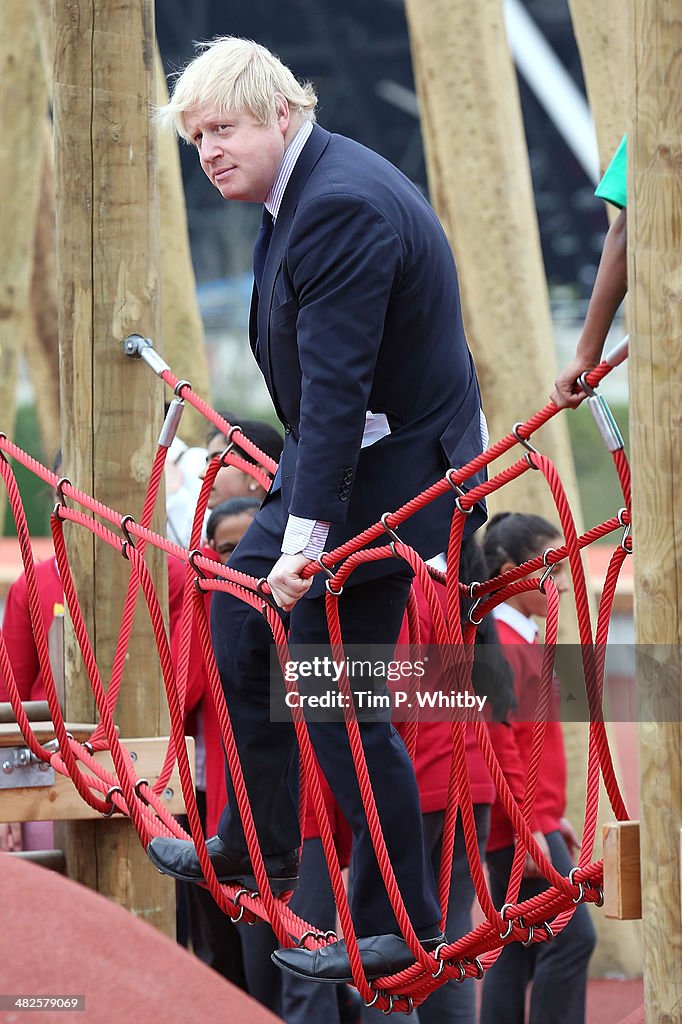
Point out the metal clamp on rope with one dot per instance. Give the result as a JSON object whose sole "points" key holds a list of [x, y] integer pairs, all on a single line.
{"points": [[603, 417], [548, 570], [201, 575], [330, 575], [510, 922], [395, 539], [126, 533], [470, 616], [460, 493], [377, 995], [581, 888], [267, 598], [59, 488], [626, 540], [112, 806], [479, 966], [137, 347], [437, 955], [136, 790], [236, 899], [230, 443], [172, 421]]}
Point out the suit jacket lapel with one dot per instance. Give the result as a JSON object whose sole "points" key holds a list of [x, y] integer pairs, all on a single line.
{"points": [[260, 309]]}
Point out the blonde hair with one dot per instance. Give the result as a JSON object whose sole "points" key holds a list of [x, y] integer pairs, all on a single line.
{"points": [[235, 76]]}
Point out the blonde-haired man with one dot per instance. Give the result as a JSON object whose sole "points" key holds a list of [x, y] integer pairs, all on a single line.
{"points": [[356, 326]]}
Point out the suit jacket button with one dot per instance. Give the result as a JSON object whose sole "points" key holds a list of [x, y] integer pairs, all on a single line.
{"points": [[287, 428]]}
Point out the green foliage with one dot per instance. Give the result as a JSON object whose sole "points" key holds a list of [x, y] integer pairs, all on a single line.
{"points": [[600, 492], [37, 496]]}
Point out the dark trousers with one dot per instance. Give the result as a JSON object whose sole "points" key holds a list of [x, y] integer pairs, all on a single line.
{"points": [[296, 1000], [370, 613], [211, 934], [558, 969], [453, 1002]]}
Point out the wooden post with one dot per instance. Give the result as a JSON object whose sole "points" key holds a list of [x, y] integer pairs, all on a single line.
{"points": [[182, 330], [42, 341], [23, 105], [107, 244], [654, 246], [480, 185], [601, 32]]}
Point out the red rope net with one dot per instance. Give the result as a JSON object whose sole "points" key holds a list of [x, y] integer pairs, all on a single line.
{"points": [[123, 792]]}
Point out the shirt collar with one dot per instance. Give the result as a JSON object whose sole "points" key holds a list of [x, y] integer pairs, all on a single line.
{"points": [[273, 200], [519, 622]]}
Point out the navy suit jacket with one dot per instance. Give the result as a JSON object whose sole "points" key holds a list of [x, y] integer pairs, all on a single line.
{"points": [[359, 310]]}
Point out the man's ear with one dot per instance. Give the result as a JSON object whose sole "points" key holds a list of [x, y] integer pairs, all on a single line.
{"points": [[282, 112]]}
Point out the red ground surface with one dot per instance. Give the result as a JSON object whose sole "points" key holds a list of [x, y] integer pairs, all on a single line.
{"points": [[63, 939]]}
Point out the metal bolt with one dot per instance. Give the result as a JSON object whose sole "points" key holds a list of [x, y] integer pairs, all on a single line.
{"points": [[7, 767], [133, 755], [167, 793]]}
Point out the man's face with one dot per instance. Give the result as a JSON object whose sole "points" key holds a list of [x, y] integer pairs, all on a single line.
{"points": [[229, 532], [239, 156], [229, 482]]}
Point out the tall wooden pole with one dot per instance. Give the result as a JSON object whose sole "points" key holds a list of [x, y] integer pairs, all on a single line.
{"points": [[654, 247], [601, 32], [183, 343], [23, 107], [107, 243], [480, 185]]}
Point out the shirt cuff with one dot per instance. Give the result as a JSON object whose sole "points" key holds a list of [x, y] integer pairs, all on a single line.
{"points": [[305, 536]]}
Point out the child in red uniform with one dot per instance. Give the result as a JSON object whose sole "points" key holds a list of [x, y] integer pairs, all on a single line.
{"points": [[558, 969], [455, 1002]]}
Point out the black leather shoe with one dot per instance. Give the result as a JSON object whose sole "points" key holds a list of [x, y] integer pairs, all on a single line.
{"points": [[178, 858], [380, 955]]}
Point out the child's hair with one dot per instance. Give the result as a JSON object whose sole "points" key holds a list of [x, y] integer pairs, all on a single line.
{"points": [[262, 434], [515, 537], [491, 675], [231, 507]]}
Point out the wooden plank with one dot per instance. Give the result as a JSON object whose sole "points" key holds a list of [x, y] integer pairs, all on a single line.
{"points": [[622, 879], [11, 735], [62, 802], [36, 711]]}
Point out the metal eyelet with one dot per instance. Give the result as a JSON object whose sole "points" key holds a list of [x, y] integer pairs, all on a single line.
{"points": [[523, 440], [179, 386], [479, 966], [112, 806]]}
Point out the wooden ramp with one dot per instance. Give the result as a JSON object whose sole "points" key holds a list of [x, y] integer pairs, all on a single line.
{"points": [[60, 938]]}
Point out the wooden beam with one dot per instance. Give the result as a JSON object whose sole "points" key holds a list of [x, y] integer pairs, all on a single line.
{"points": [[62, 802], [655, 368], [622, 883]]}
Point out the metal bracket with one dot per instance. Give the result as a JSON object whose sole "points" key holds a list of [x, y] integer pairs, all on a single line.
{"points": [[20, 769]]}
